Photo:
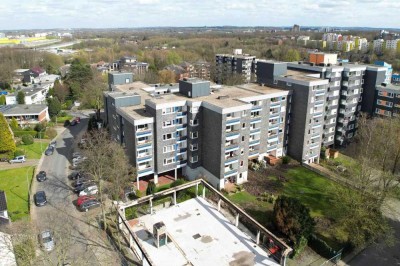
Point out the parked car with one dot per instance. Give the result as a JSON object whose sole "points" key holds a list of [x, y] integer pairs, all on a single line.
{"points": [[40, 198], [76, 154], [90, 204], [4, 159], [82, 180], [82, 186], [74, 175], [41, 176], [83, 199], [82, 143], [53, 144], [18, 159], [77, 119], [73, 123], [46, 240], [90, 190], [49, 151]]}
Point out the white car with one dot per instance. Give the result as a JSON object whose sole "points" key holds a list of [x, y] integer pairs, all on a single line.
{"points": [[78, 159], [18, 159], [92, 190], [46, 240]]}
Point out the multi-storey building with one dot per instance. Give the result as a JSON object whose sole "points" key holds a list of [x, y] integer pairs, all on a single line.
{"points": [[378, 45], [307, 109], [374, 76], [196, 129], [387, 102], [389, 70], [229, 64], [350, 102]]}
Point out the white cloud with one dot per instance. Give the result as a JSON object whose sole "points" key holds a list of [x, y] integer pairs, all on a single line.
{"points": [[141, 13]]}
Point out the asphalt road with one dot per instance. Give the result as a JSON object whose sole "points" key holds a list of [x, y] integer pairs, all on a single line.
{"points": [[76, 233]]}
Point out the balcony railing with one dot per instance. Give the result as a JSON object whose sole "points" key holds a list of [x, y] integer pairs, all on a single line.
{"points": [[230, 172]]}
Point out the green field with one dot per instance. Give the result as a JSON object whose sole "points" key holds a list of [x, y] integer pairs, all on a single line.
{"points": [[15, 183], [35, 150]]}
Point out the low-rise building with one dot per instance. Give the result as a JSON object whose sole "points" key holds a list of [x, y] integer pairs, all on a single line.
{"points": [[34, 94], [26, 114]]}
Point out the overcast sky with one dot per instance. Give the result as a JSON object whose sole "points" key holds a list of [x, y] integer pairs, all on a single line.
{"points": [[31, 14]]}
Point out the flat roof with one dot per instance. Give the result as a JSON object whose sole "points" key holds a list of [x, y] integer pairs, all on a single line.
{"points": [[22, 109], [137, 112], [201, 235], [389, 87]]}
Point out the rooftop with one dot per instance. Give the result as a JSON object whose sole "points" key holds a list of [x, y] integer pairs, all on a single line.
{"points": [[22, 109], [200, 235], [389, 87]]}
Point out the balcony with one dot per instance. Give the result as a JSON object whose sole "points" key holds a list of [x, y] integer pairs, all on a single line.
{"points": [[256, 108], [232, 122], [144, 143], [144, 133], [145, 158], [320, 92], [255, 120], [230, 172], [254, 142], [180, 114], [274, 114], [275, 104]]}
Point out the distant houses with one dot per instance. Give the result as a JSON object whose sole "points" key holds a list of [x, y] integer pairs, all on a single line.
{"points": [[199, 69]]}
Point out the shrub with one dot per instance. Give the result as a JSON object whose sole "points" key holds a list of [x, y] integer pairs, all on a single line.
{"points": [[21, 133], [286, 159], [62, 113], [40, 127], [67, 123], [292, 218], [51, 133], [299, 246], [27, 139], [321, 247], [177, 182], [19, 152], [151, 188]]}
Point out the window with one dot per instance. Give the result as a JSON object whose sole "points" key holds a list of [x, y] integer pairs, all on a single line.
{"points": [[169, 148], [194, 135], [241, 163], [169, 160], [194, 122], [244, 125], [168, 110], [242, 138], [243, 113], [141, 127], [127, 80], [168, 123], [194, 147], [241, 151], [168, 136], [194, 159], [288, 84], [275, 81]]}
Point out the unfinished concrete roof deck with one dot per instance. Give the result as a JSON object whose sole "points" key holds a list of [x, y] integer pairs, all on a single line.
{"points": [[201, 236]]}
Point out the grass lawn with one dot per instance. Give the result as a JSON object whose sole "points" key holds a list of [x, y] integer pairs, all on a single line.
{"points": [[310, 188], [62, 119], [14, 183], [35, 150]]}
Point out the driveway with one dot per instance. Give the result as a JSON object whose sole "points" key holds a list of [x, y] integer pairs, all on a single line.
{"points": [[28, 162], [78, 239]]}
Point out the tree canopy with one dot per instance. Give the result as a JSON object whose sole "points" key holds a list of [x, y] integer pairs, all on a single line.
{"points": [[7, 143], [21, 97]]}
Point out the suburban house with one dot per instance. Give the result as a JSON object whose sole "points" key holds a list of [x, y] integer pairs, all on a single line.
{"points": [[32, 73], [4, 219], [34, 94], [26, 114]]}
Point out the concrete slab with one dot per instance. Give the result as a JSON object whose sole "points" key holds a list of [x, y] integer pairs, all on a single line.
{"points": [[200, 236]]}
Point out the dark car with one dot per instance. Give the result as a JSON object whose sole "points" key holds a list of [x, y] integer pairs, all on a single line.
{"points": [[78, 188], [41, 176], [82, 180], [40, 198], [75, 175], [53, 144], [49, 151], [73, 123], [90, 204]]}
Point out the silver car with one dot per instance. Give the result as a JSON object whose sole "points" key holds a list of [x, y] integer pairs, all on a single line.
{"points": [[46, 240], [18, 159]]}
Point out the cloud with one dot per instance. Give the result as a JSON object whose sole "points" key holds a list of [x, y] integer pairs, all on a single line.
{"points": [[30, 14]]}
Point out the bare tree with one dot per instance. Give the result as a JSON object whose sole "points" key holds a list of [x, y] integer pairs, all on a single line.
{"points": [[107, 164]]}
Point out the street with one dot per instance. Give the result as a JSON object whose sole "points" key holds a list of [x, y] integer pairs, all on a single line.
{"points": [[78, 239]]}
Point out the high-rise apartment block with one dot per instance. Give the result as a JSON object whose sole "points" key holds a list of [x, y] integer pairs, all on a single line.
{"points": [[196, 129], [236, 63]]}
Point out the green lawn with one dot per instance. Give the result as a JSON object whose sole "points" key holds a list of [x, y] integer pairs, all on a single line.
{"points": [[310, 188], [35, 150], [14, 182], [62, 119]]}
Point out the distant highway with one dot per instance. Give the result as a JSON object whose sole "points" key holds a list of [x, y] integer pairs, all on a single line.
{"points": [[59, 45]]}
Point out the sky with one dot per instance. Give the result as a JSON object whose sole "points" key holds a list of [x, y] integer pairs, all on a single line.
{"points": [[46, 14]]}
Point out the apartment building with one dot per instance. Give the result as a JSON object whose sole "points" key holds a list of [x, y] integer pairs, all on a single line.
{"points": [[307, 107], [118, 78], [350, 102], [34, 94], [387, 102], [229, 64], [333, 75], [388, 72], [198, 130]]}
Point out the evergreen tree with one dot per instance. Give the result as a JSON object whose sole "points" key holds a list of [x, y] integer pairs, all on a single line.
{"points": [[7, 143], [2, 100], [21, 97], [54, 106], [14, 124]]}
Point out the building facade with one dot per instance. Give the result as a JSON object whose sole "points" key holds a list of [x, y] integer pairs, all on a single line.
{"points": [[198, 130], [236, 63]]}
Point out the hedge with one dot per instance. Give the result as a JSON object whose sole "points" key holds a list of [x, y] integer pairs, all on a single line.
{"points": [[20, 133], [321, 247]]}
